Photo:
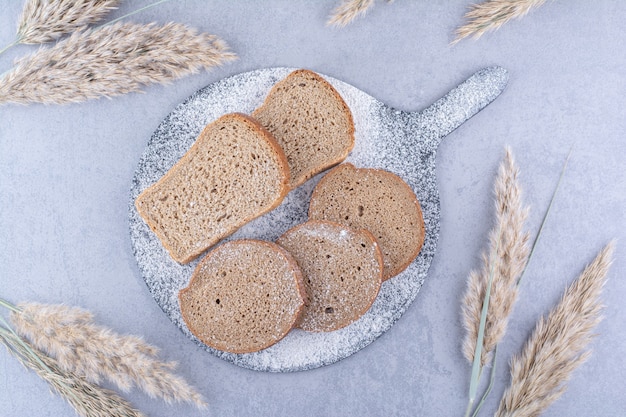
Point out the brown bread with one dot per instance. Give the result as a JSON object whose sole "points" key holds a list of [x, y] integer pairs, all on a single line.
{"points": [[375, 200], [233, 173], [310, 121], [342, 271], [244, 296]]}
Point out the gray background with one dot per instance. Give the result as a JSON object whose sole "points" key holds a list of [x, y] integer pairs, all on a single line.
{"points": [[65, 174]]}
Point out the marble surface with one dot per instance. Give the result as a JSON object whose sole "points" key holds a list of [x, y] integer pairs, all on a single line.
{"points": [[66, 172]]}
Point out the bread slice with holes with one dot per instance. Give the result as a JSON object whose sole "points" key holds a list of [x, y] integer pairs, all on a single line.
{"points": [[375, 200], [342, 271], [310, 121], [234, 172], [243, 296]]}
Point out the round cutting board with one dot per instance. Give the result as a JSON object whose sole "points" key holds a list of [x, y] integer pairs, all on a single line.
{"points": [[404, 143]]}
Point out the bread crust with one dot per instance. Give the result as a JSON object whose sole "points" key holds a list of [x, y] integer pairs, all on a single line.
{"points": [[319, 189], [346, 111], [284, 186], [298, 280]]}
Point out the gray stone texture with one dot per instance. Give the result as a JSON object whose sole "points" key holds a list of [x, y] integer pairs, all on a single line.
{"points": [[66, 173]]}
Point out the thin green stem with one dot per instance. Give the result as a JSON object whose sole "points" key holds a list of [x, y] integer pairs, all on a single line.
{"points": [[468, 410], [134, 12], [492, 378], [476, 368], [10, 306], [9, 46], [24, 345], [4, 332], [27, 356], [545, 216], [13, 345]]}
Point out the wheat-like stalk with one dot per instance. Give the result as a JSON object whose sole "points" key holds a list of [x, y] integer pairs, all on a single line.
{"points": [[558, 344], [504, 263], [476, 365], [47, 20], [88, 400], [348, 10], [94, 352], [492, 14], [110, 61]]}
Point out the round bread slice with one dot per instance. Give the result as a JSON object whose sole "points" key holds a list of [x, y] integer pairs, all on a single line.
{"points": [[342, 271], [375, 200], [244, 296], [310, 121]]}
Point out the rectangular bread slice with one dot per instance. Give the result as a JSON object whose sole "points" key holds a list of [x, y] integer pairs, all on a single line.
{"points": [[233, 173], [310, 121]]}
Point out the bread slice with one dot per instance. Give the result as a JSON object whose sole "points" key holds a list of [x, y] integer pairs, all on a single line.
{"points": [[310, 121], [233, 173], [244, 296], [342, 271], [378, 201]]}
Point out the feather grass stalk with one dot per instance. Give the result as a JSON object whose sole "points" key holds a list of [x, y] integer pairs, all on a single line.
{"points": [[110, 61], [45, 21], [506, 257], [492, 14], [94, 352], [348, 10], [530, 255], [558, 345], [492, 379], [141, 9], [88, 400], [476, 363]]}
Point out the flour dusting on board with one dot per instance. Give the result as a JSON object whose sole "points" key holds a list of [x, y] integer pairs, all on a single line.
{"points": [[404, 143]]}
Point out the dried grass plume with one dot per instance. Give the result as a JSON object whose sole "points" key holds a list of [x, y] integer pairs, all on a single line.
{"points": [[558, 344], [492, 14], [47, 20], [110, 61], [505, 260], [93, 352], [348, 10], [88, 400]]}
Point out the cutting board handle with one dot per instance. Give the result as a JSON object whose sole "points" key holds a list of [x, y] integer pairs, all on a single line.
{"points": [[461, 103]]}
